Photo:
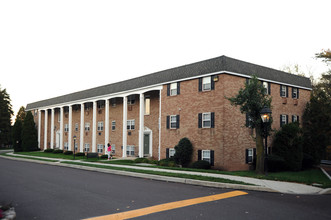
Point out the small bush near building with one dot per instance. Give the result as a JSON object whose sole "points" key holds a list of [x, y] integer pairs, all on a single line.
{"points": [[276, 163], [141, 160], [80, 154], [201, 164], [167, 163], [49, 150], [58, 151], [104, 156], [69, 152], [307, 161], [184, 151]]}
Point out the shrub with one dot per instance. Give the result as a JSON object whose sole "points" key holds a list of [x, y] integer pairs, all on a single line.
{"points": [[69, 152], [307, 161], [287, 144], [57, 151], [166, 162], [104, 156], [276, 163], [141, 160], [49, 150], [80, 154], [201, 164], [184, 151]]}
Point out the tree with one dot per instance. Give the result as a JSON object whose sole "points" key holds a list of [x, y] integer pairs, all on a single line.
{"points": [[325, 55], [21, 114], [29, 133], [17, 135], [251, 99], [184, 151], [287, 144], [6, 113]]}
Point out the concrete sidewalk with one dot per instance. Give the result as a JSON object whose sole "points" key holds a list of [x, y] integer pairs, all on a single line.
{"points": [[260, 184]]}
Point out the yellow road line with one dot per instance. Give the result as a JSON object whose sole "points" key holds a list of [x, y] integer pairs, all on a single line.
{"points": [[167, 206]]}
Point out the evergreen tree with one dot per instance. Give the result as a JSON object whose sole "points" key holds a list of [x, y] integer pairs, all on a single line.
{"points": [[17, 135], [5, 118], [184, 151], [29, 133], [251, 99]]}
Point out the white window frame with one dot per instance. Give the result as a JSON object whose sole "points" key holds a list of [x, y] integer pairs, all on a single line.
{"points": [[284, 120], [113, 148], [206, 120], [66, 128], [206, 83], [76, 127], [113, 125], [250, 155], [203, 157], [172, 152], [130, 124], [173, 89], [100, 126], [284, 91], [100, 148], [295, 93], [76, 146], [130, 150], [66, 146], [87, 126], [295, 118], [86, 147], [266, 86], [173, 120]]}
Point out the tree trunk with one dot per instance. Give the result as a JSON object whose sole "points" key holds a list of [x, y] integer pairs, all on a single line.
{"points": [[259, 151]]}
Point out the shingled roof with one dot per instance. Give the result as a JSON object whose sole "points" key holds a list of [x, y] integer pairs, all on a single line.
{"points": [[213, 65]]}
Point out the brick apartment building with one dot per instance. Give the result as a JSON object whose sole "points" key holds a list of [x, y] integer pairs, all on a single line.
{"points": [[148, 115]]}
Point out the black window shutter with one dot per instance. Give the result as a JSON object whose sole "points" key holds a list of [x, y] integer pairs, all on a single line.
{"points": [[200, 84], [212, 158], [167, 153], [177, 121], [281, 124], [246, 155], [199, 154], [298, 118], [168, 90], [212, 83], [280, 90], [286, 119], [287, 91], [269, 88], [168, 121], [212, 124], [200, 120], [247, 121], [298, 93], [254, 153], [178, 88], [247, 81], [292, 92]]}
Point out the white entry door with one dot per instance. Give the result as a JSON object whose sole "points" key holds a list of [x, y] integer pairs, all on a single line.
{"points": [[57, 139]]}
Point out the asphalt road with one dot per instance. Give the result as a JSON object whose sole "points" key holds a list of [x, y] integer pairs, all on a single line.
{"points": [[50, 192]]}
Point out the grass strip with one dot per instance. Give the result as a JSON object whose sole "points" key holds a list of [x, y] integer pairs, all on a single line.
{"points": [[31, 158], [179, 175]]}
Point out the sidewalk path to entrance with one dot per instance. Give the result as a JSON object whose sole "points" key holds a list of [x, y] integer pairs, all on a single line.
{"points": [[259, 184]]}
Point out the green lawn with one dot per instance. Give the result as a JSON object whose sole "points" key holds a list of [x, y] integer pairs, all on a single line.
{"points": [[51, 155]]}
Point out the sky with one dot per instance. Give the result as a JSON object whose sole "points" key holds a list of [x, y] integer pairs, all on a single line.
{"points": [[51, 48]]}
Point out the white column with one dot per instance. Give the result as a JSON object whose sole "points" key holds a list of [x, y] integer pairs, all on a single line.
{"points": [[70, 128], [82, 128], [141, 125], [125, 115], [160, 126], [45, 129], [39, 127], [52, 129], [106, 122], [94, 127], [61, 128]]}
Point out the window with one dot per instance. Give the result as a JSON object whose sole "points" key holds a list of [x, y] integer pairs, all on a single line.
{"points": [[295, 93], [113, 102], [87, 126], [101, 104], [100, 126], [66, 146], [35, 112], [131, 99], [250, 155], [76, 146], [206, 120], [206, 155], [266, 85], [170, 152], [130, 150], [130, 124], [113, 148], [173, 121], [206, 83], [283, 91], [113, 125], [283, 120], [295, 118], [147, 106], [87, 148], [100, 148], [76, 127], [249, 121], [173, 89], [66, 128]]}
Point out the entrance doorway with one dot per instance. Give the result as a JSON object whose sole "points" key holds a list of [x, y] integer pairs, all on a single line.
{"points": [[57, 139], [146, 145]]}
